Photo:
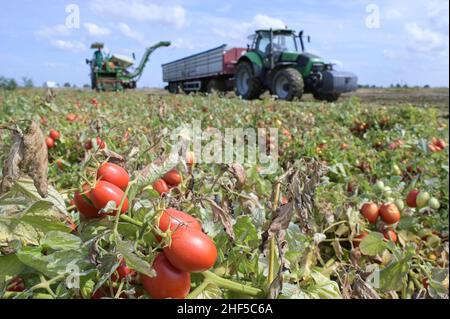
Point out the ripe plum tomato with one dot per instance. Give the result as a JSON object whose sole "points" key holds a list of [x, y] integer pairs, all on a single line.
{"points": [[105, 192], [114, 174], [370, 212], [191, 250], [84, 205], [161, 187], [172, 178], [389, 213], [169, 282]]}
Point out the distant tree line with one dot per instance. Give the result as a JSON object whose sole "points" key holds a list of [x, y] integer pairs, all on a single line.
{"points": [[11, 84], [392, 86]]}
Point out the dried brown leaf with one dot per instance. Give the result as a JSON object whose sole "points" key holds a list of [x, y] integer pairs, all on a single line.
{"points": [[238, 172], [11, 165], [223, 215], [35, 160], [362, 290], [280, 221]]}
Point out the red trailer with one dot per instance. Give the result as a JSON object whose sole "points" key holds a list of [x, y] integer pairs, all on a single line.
{"points": [[204, 72]]}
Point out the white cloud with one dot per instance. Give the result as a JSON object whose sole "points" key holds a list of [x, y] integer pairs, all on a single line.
{"points": [[57, 30], [424, 40], [228, 28], [72, 46], [142, 11], [261, 21], [95, 30], [130, 33]]}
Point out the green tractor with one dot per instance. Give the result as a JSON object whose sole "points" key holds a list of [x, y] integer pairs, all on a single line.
{"points": [[276, 61], [112, 73]]}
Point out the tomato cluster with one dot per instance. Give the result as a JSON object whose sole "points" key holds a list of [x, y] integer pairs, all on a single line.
{"points": [[113, 181], [190, 250], [51, 138], [101, 144], [418, 199], [389, 215], [170, 179]]}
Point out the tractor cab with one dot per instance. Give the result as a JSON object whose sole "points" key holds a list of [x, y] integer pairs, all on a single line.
{"points": [[276, 60], [276, 40]]}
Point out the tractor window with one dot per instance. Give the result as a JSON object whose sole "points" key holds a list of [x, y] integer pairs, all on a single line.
{"points": [[263, 44], [284, 42]]}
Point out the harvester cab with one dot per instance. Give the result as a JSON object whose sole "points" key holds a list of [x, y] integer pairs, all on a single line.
{"points": [[113, 72], [277, 61]]}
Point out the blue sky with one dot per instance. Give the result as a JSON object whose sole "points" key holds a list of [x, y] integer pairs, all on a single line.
{"points": [[383, 42]]}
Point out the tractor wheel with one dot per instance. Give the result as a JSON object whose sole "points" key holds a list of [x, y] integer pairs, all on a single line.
{"points": [[288, 84], [246, 84], [216, 85], [329, 97]]}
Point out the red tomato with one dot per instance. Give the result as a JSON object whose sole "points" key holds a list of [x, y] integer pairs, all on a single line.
{"points": [[105, 192], [172, 178], [101, 144], [169, 282], [71, 117], [440, 143], [88, 145], [54, 134], [370, 212], [411, 198], [160, 186], [123, 271], [50, 142], [60, 165], [177, 218], [16, 284], [390, 235], [84, 204], [359, 238], [389, 213], [191, 250], [114, 174]]}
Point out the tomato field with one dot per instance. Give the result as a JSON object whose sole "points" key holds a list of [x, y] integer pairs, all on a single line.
{"points": [[91, 207]]}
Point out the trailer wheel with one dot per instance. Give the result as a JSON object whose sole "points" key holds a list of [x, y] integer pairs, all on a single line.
{"points": [[246, 84], [216, 85], [329, 97], [288, 84]]}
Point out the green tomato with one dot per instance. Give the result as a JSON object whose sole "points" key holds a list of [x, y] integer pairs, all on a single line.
{"points": [[379, 186], [422, 199], [434, 203], [400, 204]]}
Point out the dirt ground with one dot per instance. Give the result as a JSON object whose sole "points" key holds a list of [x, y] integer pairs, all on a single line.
{"points": [[421, 97]]}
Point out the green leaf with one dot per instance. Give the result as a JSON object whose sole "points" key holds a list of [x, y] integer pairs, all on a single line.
{"points": [[211, 291], [108, 264], [61, 241], [391, 277], [26, 187], [10, 266], [373, 244], [324, 288], [126, 249], [52, 264], [245, 231], [31, 224]]}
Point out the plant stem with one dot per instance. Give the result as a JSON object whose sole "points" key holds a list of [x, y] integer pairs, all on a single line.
{"points": [[231, 285], [12, 294], [118, 214], [271, 275], [130, 220], [197, 291]]}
